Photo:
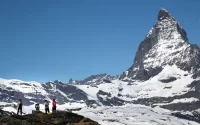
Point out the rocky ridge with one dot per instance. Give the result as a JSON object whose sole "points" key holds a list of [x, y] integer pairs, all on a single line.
{"points": [[38, 118]]}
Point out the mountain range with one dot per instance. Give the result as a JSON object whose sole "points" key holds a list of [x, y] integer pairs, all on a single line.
{"points": [[165, 73]]}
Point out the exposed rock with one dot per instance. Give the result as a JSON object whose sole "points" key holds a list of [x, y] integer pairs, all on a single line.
{"points": [[168, 80], [94, 79], [182, 106], [107, 100], [5, 113], [107, 81], [195, 84], [194, 117], [58, 118], [75, 109]]}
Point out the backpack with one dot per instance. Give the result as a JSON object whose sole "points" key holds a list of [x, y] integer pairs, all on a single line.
{"points": [[46, 105], [20, 104]]}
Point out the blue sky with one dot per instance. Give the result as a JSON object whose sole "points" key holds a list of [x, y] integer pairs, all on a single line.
{"points": [[45, 40]]}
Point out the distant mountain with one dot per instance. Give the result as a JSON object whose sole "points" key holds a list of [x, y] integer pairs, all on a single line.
{"points": [[94, 79]]}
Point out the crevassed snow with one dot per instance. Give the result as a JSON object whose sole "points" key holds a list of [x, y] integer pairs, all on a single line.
{"points": [[132, 115]]}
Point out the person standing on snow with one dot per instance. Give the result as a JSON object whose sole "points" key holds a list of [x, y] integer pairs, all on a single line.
{"points": [[19, 107], [46, 104], [53, 106]]}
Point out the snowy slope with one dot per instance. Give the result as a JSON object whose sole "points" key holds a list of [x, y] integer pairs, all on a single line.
{"points": [[154, 87], [34, 92], [110, 93], [22, 86], [150, 88]]}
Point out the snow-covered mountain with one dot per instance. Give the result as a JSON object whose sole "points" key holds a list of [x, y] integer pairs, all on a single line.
{"points": [[94, 79], [165, 44], [165, 73]]}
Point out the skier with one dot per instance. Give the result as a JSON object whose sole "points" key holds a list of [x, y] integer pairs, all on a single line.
{"points": [[46, 104], [19, 109], [53, 106]]}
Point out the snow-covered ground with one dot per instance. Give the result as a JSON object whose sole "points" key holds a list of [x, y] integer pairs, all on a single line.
{"points": [[133, 115], [28, 109], [120, 115]]}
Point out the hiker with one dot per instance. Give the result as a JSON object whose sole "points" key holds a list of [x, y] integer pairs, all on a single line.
{"points": [[53, 106], [46, 104], [37, 107], [19, 109]]}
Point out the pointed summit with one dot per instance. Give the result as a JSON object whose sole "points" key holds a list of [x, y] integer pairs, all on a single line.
{"points": [[165, 44], [163, 9], [163, 14]]}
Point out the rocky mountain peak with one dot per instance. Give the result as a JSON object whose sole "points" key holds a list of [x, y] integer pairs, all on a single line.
{"points": [[163, 14], [165, 44]]}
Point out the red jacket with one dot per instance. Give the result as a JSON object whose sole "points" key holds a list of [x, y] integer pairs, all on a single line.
{"points": [[54, 103]]}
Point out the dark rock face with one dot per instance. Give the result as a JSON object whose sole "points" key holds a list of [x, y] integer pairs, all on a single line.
{"points": [[107, 100], [166, 34], [58, 118], [194, 117], [195, 84], [73, 94], [182, 106], [163, 14], [170, 79]]}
